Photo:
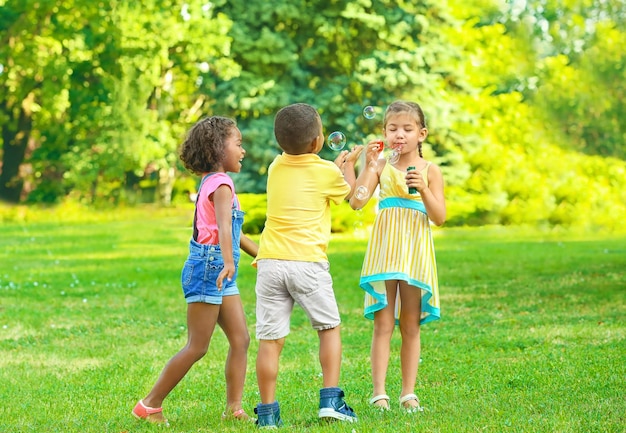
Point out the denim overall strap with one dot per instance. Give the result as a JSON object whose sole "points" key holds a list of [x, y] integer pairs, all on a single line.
{"points": [[195, 213], [237, 223]]}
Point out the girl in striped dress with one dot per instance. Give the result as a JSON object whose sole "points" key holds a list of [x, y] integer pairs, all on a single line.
{"points": [[399, 274]]}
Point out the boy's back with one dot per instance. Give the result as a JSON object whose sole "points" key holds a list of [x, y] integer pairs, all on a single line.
{"points": [[299, 191]]}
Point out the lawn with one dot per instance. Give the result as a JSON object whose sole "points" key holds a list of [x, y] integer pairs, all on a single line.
{"points": [[532, 336]]}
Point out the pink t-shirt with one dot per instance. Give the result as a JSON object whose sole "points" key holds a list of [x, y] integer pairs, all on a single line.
{"points": [[206, 222]]}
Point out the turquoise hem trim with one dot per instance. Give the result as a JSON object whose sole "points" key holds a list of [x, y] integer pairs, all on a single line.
{"points": [[402, 202], [434, 313]]}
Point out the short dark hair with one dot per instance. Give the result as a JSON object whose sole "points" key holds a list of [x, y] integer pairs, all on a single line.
{"points": [[296, 126]]}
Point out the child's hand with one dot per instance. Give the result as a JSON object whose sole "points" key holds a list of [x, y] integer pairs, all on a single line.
{"points": [[414, 179], [354, 154], [348, 157], [341, 159], [374, 148], [227, 273]]}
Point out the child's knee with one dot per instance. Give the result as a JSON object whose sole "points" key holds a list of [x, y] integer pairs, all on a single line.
{"points": [[242, 342], [196, 352]]}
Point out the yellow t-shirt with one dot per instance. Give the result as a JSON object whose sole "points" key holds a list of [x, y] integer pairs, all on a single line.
{"points": [[299, 191]]}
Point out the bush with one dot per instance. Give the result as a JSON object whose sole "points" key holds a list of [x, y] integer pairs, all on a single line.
{"points": [[255, 207], [343, 218]]}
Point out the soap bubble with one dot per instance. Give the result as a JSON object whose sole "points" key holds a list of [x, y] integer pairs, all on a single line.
{"points": [[361, 193], [392, 156], [369, 112], [336, 140]]}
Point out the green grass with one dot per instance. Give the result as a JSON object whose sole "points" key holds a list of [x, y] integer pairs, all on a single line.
{"points": [[532, 336]]}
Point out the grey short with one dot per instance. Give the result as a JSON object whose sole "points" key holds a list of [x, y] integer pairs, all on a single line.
{"points": [[280, 283]]}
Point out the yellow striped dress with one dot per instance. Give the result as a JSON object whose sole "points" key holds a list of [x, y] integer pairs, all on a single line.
{"points": [[400, 248]]}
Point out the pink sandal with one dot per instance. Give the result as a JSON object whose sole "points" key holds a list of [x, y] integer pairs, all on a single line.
{"points": [[239, 415], [141, 411]]}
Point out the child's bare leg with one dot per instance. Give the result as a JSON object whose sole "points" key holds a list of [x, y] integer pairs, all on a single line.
{"points": [[384, 324], [411, 345], [201, 319], [267, 368], [330, 356], [233, 321]]}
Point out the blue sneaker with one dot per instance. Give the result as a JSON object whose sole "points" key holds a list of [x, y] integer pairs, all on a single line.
{"points": [[268, 415], [333, 406]]}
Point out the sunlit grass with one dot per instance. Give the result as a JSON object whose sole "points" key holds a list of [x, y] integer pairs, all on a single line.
{"points": [[531, 339]]}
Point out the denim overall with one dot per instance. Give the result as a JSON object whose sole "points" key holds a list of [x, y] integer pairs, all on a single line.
{"points": [[205, 262]]}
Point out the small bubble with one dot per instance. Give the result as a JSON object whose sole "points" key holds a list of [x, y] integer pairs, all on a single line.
{"points": [[336, 140], [393, 155], [369, 112], [361, 193]]}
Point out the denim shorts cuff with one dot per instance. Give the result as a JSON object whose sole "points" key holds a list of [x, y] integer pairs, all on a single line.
{"points": [[216, 300]]}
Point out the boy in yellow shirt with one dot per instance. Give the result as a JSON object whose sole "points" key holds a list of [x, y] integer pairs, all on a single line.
{"points": [[292, 262]]}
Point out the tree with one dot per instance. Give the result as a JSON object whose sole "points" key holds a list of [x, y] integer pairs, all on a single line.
{"points": [[92, 92], [524, 167], [579, 82], [339, 56]]}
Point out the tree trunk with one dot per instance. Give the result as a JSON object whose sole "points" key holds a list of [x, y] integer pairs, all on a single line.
{"points": [[167, 176], [14, 143]]}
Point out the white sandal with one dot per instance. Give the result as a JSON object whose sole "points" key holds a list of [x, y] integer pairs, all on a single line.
{"points": [[380, 397], [410, 409]]}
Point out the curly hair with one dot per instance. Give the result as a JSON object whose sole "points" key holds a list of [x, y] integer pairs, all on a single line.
{"points": [[203, 148], [405, 107], [296, 126]]}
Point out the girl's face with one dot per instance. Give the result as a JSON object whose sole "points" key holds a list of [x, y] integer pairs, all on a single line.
{"points": [[233, 151], [403, 132]]}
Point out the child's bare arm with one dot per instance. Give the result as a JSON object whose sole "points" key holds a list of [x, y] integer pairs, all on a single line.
{"points": [[248, 245], [368, 179], [222, 201], [347, 160], [433, 195]]}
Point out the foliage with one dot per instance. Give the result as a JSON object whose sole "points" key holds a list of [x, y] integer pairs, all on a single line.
{"points": [[339, 56], [88, 98], [255, 206], [343, 218], [95, 97], [579, 81], [127, 114], [524, 168], [521, 177]]}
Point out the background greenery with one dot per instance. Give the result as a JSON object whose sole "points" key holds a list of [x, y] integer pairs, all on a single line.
{"points": [[524, 99], [531, 338]]}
